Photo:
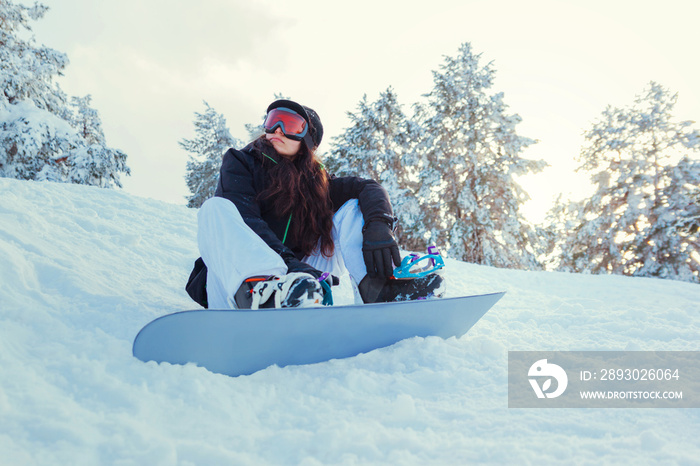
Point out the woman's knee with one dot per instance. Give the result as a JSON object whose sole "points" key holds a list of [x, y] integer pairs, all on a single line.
{"points": [[218, 207]]}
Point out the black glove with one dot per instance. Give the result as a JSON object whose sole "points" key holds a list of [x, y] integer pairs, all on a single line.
{"points": [[379, 249], [296, 265]]}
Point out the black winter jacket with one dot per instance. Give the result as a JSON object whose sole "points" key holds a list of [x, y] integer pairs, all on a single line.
{"points": [[243, 177]]}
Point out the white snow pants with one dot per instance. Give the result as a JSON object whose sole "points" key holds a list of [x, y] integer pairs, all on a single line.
{"points": [[233, 252]]}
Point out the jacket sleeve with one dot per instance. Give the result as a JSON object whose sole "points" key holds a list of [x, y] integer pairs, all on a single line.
{"points": [[372, 197], [237, 184]]}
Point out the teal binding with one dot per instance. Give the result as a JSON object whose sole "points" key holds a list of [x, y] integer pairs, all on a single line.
{"points": [[327, 293], [409, 266]]}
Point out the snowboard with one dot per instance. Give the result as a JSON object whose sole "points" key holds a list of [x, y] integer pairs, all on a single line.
{"points": [[243, 341]]}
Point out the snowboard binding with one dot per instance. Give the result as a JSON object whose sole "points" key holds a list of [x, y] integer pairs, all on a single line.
{"points": [[415, 266], [291, 290]]}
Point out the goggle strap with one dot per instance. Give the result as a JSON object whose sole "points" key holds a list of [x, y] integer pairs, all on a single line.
{"points": [[309, 141]]}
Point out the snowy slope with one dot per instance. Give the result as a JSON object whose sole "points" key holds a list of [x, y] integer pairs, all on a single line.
{"points": [[83, 269]]}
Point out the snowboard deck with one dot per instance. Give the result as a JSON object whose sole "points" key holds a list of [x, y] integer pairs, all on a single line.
{"points": [[243, 341]]}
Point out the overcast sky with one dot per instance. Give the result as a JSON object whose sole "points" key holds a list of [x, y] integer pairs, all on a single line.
{"points": [[149, 64]]}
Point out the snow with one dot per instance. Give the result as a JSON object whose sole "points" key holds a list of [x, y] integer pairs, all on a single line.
{"points": [[83, 269]]}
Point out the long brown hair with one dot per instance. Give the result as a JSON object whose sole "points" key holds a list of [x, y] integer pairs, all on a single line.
{"points": [[300, 188]]}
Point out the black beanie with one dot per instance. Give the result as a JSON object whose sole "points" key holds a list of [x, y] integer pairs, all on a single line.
{"points": [[315, 134]]}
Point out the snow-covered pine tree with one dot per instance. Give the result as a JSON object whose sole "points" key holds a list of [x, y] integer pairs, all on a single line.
{"points": [[27, 71], [212, 139], [470, 158], [643, 217], [378, 145], [92, 162], [38, 139], [672, 246]]}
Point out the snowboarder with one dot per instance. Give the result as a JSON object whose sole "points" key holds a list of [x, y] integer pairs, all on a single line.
{"points": [[280, 230]]}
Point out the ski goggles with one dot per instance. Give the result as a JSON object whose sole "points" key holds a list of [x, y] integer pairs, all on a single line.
{"points": [[293, 125]]}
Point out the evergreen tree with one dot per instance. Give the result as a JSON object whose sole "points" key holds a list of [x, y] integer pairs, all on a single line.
{"points": [[92, 162], [212, 139], [27, 71], [672, 246], [42, 135], [470, 155], [643, 217], [377, 145]]}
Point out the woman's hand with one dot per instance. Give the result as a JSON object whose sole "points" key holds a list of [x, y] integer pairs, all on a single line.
{"points": [[379, 249]]}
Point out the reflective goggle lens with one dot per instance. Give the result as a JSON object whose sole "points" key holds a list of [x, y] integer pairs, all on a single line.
{"points": [[293, 125]]}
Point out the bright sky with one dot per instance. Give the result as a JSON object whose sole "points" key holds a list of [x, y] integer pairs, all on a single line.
{"points": [[149, 65]]}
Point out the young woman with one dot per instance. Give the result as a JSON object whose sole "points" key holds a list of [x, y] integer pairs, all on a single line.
{"points": [[280, 230]]}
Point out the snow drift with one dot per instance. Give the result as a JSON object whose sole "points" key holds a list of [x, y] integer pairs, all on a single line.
{"points": [[83, 269]]}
